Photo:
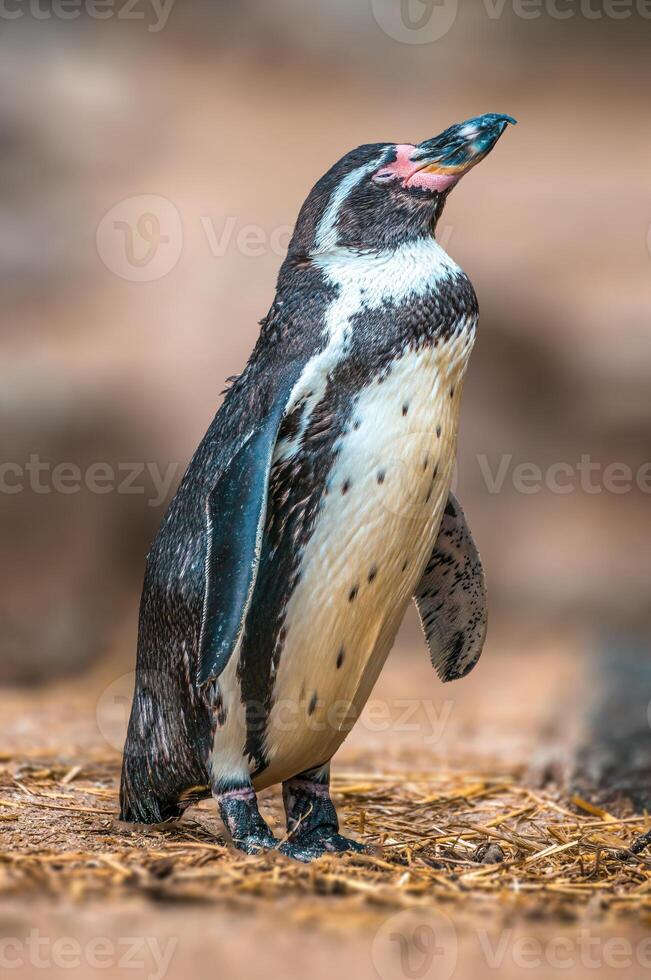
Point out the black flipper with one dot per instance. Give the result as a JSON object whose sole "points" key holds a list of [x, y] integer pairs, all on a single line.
{"points": [[451, 598], [235, 512]]}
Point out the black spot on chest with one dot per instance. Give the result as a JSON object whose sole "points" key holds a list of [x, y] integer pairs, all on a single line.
{"points": [[379, 337]]}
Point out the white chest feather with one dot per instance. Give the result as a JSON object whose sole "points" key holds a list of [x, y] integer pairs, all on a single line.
{"points": [[375, 528], [364, 283], [372, 538]]}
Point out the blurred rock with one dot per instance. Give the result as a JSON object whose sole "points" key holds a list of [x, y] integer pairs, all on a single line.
{"points": [[73, 557], [489, 853]]}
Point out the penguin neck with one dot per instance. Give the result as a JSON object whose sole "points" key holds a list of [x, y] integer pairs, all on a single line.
{"points": [[369, 278], [401, 268], [418, 241]]}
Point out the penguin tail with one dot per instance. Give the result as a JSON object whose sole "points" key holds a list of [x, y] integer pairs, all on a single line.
{"points": [[139, 800], [139, 804], [162, 768]]}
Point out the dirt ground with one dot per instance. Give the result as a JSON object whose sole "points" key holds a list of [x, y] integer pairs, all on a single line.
{"points": [[473, 867]]}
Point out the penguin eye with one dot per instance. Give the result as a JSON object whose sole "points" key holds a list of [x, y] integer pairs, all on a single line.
{"points": [[384, 178]]}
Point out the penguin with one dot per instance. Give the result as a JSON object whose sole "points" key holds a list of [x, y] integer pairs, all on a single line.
{"points": [[315, 509]]}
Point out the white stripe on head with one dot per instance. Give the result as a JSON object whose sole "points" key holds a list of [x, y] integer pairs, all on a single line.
{"points": [[326, 232]]}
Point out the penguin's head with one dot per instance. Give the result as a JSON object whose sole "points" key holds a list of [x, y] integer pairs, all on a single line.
{"points": [[382, 194]]}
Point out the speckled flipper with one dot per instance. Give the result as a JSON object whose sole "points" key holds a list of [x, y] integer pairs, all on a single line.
{"points": [[235, 515], [451, 598]]}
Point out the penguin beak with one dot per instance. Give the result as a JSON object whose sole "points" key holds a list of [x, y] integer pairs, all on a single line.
{"points": [[444, 159]]}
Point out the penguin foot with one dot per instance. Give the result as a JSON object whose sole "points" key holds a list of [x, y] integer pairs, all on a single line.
{"points": [[238, 808], [312, 824], [256, 843], [314, 844]]}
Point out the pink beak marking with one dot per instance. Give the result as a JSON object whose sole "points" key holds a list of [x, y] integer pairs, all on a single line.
{"points": [[411, 174]]}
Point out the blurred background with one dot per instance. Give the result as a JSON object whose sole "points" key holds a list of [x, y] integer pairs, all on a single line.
{"points": [[153, 162], [153, 159]]}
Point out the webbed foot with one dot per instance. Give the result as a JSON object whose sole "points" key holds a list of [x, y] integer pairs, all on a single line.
{"points": [[312, 824], [256, 843], [238, 808], [310, 846]]}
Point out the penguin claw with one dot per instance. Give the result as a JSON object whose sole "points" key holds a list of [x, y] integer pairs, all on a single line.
{"points": [[256, 843], [308, 847], [639, 844], [340, 843], [299, 850]]}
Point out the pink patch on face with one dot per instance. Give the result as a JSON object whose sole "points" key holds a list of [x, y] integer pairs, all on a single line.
{"points": [[411, 176], [402, 166], [432, 182]]}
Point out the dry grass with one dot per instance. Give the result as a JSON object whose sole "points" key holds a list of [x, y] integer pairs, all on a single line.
{"points": [[430, 834]]}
